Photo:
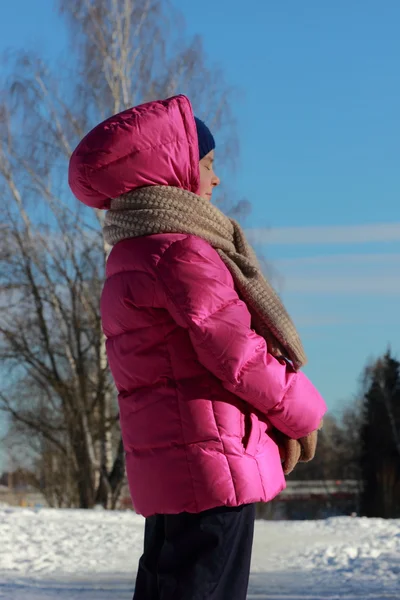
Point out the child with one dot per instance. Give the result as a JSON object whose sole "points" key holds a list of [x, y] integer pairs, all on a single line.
{"points": [[204, 356]]}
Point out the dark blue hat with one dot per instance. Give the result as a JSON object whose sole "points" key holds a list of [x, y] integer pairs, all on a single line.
{"points": [[205, 137]]}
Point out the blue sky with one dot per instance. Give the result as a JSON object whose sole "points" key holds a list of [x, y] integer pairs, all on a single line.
{"points": [[319, 125]]}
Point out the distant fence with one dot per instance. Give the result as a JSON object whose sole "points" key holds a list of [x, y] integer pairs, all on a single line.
{"points": [[300, 500], [313, 500]]}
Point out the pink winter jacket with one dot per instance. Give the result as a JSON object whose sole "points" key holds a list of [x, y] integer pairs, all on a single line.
{"points": [[198, 391]]}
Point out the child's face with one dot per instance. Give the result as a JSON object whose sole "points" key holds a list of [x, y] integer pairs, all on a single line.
{"points": [[208, 179]]}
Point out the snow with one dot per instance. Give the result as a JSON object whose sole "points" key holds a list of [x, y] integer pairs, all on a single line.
{"points": [[50, 554]]}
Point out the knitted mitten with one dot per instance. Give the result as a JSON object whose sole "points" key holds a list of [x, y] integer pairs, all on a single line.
{"points": [[308, 445], [289, 450]]}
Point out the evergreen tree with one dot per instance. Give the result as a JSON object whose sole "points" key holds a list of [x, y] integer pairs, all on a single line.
{"points": [[380, 439]]}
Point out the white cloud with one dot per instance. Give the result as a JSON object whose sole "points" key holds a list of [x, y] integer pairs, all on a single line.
{"points": [[374, 285], [367, 274], [343, 234], [345, 260]]}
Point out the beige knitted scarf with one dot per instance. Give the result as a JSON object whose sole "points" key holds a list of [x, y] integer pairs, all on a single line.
{"points": [[161, 209]]}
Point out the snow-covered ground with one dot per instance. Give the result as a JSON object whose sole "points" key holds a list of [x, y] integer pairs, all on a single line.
{"points": [[92, 555]]}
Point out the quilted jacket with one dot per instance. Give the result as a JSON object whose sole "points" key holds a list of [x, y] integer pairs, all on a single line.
{"points": [[199, 394]]}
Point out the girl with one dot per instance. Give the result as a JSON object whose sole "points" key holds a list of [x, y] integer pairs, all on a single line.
{"points": [[204, 356]]}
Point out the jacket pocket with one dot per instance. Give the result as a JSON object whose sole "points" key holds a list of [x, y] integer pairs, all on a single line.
{"points": [[252, 433]]}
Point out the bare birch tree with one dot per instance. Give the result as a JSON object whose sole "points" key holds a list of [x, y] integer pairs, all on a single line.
{"points": [[56, 387]]}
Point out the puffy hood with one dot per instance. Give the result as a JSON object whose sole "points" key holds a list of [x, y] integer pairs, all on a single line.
{"points": [[152, 144]]}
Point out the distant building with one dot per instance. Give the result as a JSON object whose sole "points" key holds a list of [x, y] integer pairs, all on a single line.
{"points": [[313, 500]]}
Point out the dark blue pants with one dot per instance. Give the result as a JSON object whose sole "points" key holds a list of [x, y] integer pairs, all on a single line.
{"points": [[203, 556]]}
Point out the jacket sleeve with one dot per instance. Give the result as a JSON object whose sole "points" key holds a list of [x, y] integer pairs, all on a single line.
{"points": [[198, 291]]}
